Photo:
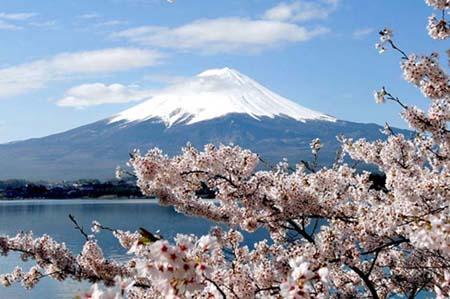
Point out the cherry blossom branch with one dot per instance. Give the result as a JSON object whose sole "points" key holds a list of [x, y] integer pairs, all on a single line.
{"points": [[222, 293], [404, 56], [274, 289], [301, 231], [78, 227], [77, 273], [389, 129], [369, 284], [213, 177], [386, 245], [372, 265], [307, 166], [390, 97], [267, 164]]}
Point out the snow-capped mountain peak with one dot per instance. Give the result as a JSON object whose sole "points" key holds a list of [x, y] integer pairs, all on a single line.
{"points": [[215, 93]]}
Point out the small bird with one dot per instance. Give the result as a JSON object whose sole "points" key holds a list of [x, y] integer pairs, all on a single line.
{"points": [[148, 237]]}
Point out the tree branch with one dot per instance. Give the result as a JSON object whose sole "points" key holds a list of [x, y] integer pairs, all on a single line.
{"points": [[369, 284], [301, 231], [224, 296], [78, 227], [392, 243], [398, 49]]}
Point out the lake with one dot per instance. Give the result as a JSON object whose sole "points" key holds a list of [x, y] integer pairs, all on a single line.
{"points": [[51, 217]]}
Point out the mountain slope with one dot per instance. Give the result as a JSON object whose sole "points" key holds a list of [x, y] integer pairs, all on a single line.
{"points": [[93, 151], [217, 106]]}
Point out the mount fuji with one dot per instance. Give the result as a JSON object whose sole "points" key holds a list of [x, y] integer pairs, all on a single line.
{"points": [[216, 106], [214, 94]]}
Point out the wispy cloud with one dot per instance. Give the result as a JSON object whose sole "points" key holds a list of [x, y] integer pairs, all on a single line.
{"points": [[89, 16], [94, 94], [17, 16], [221, 35], [44, 24], [278, 26], [10, 21], [8, 26], [86, 95], [300, 11], [111, 23], [362, 32], [23, 78]]}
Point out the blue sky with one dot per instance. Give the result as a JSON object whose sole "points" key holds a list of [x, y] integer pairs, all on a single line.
{"points": [[68, 63]]}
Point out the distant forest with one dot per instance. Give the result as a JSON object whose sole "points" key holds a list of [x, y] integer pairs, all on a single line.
{"points": [[21, 189]]}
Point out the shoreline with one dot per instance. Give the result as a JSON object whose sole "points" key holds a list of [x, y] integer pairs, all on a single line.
{"points": [[78, 201], [76, 198]]}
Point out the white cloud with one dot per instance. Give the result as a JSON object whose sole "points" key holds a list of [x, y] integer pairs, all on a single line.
{"points": [[360, 33], [23, 78], [8, 26], [98, 93], [102, 61], [89, 16], [17, 16], [221, 35], [299, 11], [229, 34], [7, 20], [111, 23], [44, 24]]}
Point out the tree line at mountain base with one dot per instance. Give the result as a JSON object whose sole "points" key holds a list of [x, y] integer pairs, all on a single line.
{"points": [[21, 189]]}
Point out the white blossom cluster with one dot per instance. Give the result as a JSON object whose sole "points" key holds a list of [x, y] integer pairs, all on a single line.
{"points": [[426, 73], [439, 28], [316, 145], [334, 232], [385, 37], [54, 260]]}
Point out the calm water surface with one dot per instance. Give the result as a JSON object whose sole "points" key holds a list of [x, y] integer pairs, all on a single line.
{"points": [[51, 217]]}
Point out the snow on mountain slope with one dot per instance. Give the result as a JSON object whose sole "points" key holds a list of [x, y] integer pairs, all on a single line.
{"points": [[216, 93]]}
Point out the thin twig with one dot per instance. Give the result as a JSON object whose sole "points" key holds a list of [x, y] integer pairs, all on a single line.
{"points": [[381, 247], [398, 49], [374, 261], [389, 128], [224, 296], [301, 231], [78, 227], [390, 97], [307, 166]]}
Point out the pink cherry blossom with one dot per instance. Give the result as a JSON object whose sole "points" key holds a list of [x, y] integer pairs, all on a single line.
{"points": [[334, 231]]}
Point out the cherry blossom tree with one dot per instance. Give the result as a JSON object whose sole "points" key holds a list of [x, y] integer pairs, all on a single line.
{"points": [[333, 233]]}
